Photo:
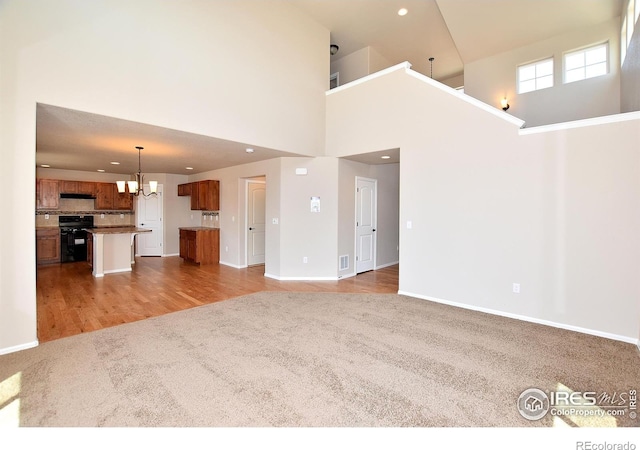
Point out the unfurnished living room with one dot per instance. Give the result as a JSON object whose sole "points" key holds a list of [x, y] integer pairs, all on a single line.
{"points": [[275, 214]]}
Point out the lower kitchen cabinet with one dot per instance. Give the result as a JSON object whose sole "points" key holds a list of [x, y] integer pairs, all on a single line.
{"points": [[200, 245], [48, 245]]}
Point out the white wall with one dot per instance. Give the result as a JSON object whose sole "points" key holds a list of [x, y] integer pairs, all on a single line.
{"points": [[388, 221], [198, 66], [359, 64], [454, 82], [630, 73], [299, 232], [307, 233], [352, 66], [176, 211], [490, 206], [493, 78]]}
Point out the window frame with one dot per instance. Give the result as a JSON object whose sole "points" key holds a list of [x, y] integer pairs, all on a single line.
{"points": [[534, 64], [584, 50]]}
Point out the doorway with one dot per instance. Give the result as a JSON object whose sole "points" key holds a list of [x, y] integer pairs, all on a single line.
{"points": [[149, 216], [256, 220], [366, 213]]}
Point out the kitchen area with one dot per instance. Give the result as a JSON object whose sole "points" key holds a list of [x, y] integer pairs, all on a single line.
{"points": [[86, 220], [72, 216], [91, 221]]}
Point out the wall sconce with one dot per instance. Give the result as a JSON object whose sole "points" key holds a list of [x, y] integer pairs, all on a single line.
{"points": [[333, 49], [504, 103]]}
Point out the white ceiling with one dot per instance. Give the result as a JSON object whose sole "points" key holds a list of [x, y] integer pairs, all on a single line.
{"points": [[454, 32], [75, 140]]}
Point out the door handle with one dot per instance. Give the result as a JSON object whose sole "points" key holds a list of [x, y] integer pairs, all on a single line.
{"points": [[250, 228], [373, 230]]}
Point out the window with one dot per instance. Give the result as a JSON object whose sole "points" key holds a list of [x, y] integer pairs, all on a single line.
{"points": [[586, 63], [535, 76]]}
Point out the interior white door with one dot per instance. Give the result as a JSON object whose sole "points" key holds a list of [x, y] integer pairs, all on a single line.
{"points": [[366, 198], [256, 218], [149, 216]]}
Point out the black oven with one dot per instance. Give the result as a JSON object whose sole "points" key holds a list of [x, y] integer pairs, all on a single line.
{"points": [[73, 237]]}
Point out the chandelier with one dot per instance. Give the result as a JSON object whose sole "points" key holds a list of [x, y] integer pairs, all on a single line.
{"points": [[136, 187]]}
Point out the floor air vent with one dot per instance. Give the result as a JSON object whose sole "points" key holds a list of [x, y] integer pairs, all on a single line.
{"points": [[344, 262]]}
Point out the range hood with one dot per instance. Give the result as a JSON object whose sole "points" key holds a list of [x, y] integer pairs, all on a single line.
{"points": [[81, 196]]}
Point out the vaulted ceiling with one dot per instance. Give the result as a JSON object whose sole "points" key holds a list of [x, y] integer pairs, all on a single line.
{"points": [[453, 32]]}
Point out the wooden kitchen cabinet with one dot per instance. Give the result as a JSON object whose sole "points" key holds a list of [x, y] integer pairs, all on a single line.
{"points": [[104, 195], [200, 245], [108, 197], [90, 249], [124, 200], [47, 194], [205, 195], [184, 190], [47, 245], [77, 187]]}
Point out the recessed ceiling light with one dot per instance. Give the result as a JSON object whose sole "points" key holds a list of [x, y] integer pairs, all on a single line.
{"points": [[403, 11], [385, 157], [189, 168], [249, 150], [100, 170], [115, 163], [45, 165]]}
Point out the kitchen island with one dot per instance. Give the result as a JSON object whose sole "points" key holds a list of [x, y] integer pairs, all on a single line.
{"points": [[111, 250]]}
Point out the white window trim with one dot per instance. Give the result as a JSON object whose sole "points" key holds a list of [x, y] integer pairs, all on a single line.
{"points": [[583, 49]]}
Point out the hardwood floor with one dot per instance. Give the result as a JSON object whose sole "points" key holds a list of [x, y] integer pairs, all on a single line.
{"points": [[71, 301]]}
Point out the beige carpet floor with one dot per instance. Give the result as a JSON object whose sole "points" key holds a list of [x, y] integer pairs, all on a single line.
{"points": [[310, 359]]}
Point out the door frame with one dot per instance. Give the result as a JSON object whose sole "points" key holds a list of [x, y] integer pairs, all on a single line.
{"points": [[355, 223], [247, 181]]}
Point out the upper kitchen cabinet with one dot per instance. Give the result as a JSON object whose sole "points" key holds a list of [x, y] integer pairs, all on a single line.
{"points": [[104, 195], [47, 194], [124, 200], [78, 187], [205, 195], [108, 197], [184, 189]]}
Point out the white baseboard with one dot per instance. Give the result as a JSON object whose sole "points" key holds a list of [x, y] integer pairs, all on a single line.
{"points": [[348, 275], [117, 271], [615, 337], [224, 263], [170, 254], [275, 277], [17, 348], [382, 266]]}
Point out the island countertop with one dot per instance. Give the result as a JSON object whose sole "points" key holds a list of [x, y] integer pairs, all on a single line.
{"points": [[117, 230]]}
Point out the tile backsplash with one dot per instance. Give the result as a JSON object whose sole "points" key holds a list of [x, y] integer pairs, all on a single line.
{"points": [[84, 207]]}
